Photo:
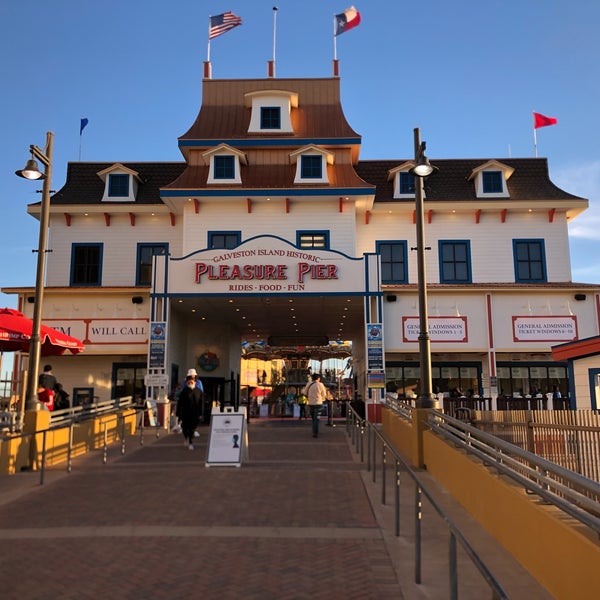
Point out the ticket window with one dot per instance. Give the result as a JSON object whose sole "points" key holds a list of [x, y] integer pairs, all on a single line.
{"points": [[83, 396]]}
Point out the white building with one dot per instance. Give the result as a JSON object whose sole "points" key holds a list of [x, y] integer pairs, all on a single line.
{"points": [[272, 228]]}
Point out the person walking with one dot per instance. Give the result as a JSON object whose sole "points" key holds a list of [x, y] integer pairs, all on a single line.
{"points": [[316, 393], [47, 383], [188, 410]]}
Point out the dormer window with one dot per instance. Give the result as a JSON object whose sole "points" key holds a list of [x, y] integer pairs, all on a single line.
{"points": [[120, 183], [492, 182], [224, 164], [224, 167], [311, 164], [270, 117], [404, 182], [271, 111], [491, 179]]}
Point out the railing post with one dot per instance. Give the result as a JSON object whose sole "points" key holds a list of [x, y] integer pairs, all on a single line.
{"points": [[70, 448], [43, 467], [105, 448], [368, 449], [122, 434], [374, 455], [397, 499], [418, 517], [383, 466], [453, 567]]}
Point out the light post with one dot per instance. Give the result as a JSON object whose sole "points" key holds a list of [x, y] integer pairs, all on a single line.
{"points": [[31, 171], [420, 171]]}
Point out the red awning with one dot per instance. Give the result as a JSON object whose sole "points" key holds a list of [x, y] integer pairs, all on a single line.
{"points": [[15, 335]]}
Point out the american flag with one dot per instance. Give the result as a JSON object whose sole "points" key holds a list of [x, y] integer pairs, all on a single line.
{"points": [[223, 23]]}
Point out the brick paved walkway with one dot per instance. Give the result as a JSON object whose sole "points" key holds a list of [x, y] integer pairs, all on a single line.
{"points": [[295, 521]]}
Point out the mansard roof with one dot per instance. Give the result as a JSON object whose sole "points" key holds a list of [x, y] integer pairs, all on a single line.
{"points": [[529, 181], [85, 186], [225, 114]]}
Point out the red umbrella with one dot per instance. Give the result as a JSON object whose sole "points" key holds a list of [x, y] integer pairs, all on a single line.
{"points": [[260, 392], [15, 334]]}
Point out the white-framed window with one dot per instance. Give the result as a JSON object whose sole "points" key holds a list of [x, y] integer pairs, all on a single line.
{"points": [[271, 111], [311, 164], [491, 179], [404, 182], [224, 164], [120, 183]]}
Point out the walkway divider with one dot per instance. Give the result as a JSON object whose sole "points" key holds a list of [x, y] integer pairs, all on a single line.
{"points": [[358, 428]]}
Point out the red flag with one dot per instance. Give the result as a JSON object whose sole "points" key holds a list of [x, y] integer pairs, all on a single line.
{"points": [[543, 121]]}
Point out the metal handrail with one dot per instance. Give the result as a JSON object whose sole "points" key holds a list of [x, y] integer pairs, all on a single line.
{"points": [[73, 418], [356, 428], [573, 493]]}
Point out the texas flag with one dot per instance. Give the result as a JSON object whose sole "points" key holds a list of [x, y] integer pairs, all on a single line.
{"points": [[347, 20], [543, 121]]}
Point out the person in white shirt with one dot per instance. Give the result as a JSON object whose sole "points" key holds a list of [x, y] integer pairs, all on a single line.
{"points": [[316, 393]]}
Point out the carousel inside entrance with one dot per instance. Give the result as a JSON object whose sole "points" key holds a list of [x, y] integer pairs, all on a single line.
{"points": [[280, 372]]}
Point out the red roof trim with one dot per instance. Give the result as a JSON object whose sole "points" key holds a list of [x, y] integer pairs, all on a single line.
{"points": [[577, 349]]}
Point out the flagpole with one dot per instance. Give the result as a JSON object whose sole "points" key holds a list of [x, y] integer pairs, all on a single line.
{"points": [[80, 137], [275, 9], [334, 41], [208, 49], [535, 142]]}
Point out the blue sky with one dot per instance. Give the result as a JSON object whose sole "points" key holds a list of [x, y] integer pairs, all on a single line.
{"points": [[468, 73]]}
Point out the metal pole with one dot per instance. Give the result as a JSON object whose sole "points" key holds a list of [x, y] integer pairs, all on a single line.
{"points": [[35, 343], [425, 399]]}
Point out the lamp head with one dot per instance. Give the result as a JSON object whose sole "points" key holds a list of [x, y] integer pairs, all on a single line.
{"points": [[423, 168], [31, 171]]}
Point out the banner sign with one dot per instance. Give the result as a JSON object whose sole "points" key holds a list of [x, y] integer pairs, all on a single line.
{"points": [[545, 329], [441, 329], [157, 351], [375, 361]]}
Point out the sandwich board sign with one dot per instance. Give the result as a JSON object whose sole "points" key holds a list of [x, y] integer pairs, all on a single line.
{"points": [[228, 438]]}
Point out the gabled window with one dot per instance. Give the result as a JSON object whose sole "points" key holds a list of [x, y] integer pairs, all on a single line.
{"points": [[224, 239], [312, 239], [491, 179], [530, 260], [270, 117], [492, 182], [455, 261], [86, 264], [118, 185], [145, 252], [394, 267], [311, 164], [404, 182], [224, 164], [224, 167]]}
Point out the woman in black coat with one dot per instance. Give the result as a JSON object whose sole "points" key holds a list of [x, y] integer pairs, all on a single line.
{"points": [[188, 410]]}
